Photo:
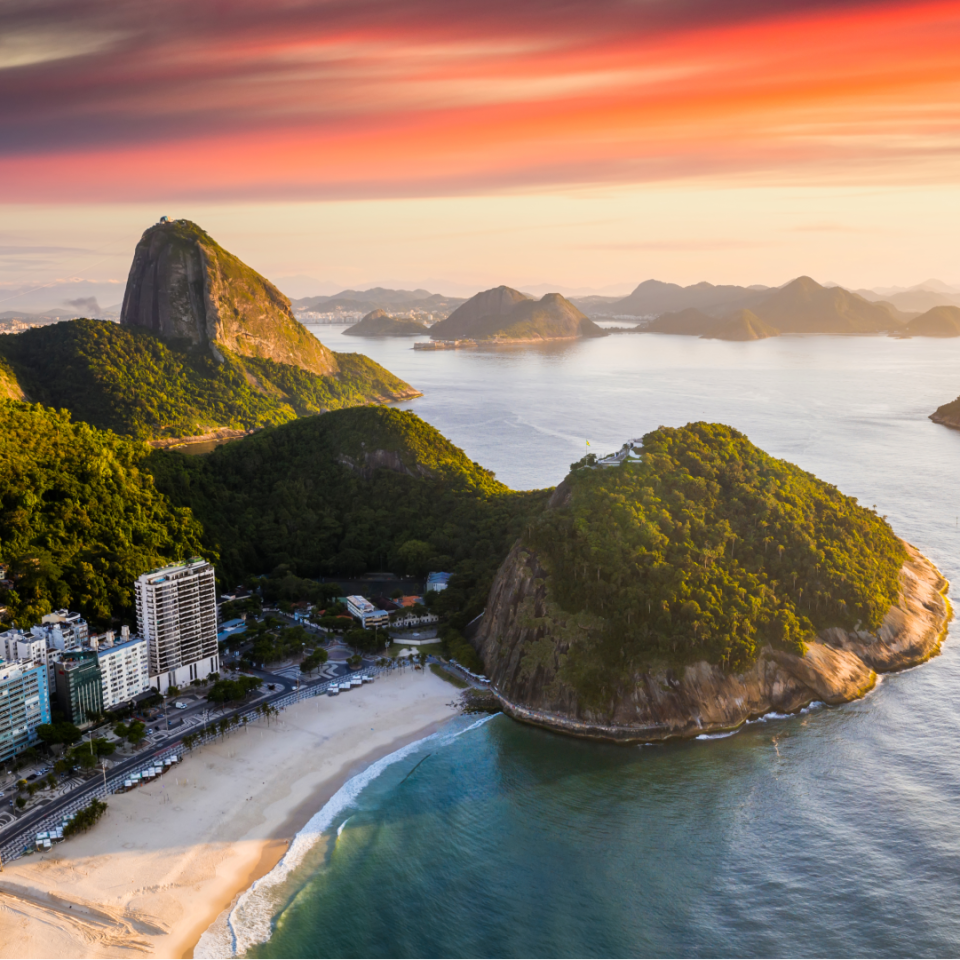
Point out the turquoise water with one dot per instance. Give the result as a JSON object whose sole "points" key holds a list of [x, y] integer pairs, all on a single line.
{"points": [[835, 832]]}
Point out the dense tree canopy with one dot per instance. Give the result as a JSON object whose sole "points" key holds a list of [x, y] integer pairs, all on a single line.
{"points": [[709, 548], [312, 495], [137, 384], [79, 518]]}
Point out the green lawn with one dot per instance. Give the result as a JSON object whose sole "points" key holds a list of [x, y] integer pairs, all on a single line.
{"points": [[435, 648], [458, 682]]}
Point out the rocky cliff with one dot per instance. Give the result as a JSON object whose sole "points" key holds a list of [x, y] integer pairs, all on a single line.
{"points": [[524, 638], [183, 285]]}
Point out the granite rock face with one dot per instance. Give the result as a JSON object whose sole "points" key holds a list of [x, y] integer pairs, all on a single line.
{"points": [[183, 285], [524, 637]]}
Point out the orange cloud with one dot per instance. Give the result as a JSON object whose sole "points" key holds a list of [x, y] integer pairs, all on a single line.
{"points": [[326, 101]]}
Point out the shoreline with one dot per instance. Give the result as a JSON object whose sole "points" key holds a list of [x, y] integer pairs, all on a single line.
{"points": [[170, 860], [839, 667], [277, 847]]}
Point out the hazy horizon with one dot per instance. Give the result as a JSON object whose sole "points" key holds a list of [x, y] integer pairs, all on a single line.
{"points": [[547, 144]]}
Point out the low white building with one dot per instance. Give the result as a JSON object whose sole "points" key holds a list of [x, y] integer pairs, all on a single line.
{"points": [[367, 613], [412, 620], [62, 630], [124, 668], [16, 645]]}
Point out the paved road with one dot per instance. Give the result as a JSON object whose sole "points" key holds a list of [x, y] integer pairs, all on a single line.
{"points": [[158, 743]]}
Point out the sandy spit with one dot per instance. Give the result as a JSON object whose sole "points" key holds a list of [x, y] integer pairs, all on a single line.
{"points": [[169, 858]]}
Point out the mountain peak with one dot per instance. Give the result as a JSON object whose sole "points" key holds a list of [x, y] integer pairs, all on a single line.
{"points": [[183, 285]]}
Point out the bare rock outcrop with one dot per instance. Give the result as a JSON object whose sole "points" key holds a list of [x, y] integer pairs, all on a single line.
{"points": [[524, 637], [184, 285]]}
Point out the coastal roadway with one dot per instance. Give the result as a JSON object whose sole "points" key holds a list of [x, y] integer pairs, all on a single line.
{"points": [[159, 744]]}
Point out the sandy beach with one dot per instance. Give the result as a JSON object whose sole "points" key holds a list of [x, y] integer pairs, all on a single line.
{"points": [[169, 858]]}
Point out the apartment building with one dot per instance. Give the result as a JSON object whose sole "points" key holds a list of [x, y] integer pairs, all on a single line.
{"points": [[177, 616], [24, 705], [17, 645], [124, 670], [79, 687], [62, 630]]}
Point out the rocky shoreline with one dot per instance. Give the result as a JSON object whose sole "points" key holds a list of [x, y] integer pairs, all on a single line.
{"points": [[838, 667], [948, 415]]}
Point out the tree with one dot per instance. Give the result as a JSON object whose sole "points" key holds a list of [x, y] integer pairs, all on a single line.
{"points": [[60, 732]]}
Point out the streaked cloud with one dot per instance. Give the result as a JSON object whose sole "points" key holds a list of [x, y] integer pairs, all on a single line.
{"points": [[328, 99]]}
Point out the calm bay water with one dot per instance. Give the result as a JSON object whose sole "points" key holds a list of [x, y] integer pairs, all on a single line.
{"points": [[836, 832]]}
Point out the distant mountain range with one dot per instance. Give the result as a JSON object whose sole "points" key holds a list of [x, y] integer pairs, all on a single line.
{"points": [[802, 306], [435, 305]]}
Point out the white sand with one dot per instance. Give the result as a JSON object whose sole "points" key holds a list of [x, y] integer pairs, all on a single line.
{"points": [[168, 858]]}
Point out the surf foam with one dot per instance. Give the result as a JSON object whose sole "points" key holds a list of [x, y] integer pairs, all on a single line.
{"points": [[251, 920]]}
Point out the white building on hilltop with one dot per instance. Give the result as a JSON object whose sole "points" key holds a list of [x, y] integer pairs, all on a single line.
{"points": [[177, 616]]}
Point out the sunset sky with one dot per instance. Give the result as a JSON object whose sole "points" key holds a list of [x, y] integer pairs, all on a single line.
{"points": [[587, 145]]}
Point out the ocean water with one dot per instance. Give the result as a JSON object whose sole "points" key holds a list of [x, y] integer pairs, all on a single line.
{"points": [[834, 832]]}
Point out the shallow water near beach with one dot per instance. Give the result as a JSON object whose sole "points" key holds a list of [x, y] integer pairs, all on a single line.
{"points": [[834, 832]]}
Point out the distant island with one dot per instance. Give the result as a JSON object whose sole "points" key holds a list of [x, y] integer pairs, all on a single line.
{"points": [[948, 414], [379, 323], [504, 314], [205, 345], [691, 582]]}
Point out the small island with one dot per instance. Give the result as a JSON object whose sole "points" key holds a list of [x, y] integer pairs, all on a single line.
{"points": [[948, 414], [504, 315], [379, 323], [692, 582]]}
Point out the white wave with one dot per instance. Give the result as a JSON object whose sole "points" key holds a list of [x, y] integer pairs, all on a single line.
{"points": [[773, 715], [810, 707], [249, 923], [342, 825], [718, 736]]}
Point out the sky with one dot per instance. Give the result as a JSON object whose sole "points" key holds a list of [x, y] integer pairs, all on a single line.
{"points": [[590, 145]]}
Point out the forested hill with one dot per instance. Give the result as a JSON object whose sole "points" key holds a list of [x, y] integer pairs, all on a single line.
{"points": [[707, 549], [136, 383], [355, 490], [79, 517]]}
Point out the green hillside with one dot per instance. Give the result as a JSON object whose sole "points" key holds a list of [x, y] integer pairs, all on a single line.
{"points": [[707, 549], [138, 384], [79, 517], [378, 323], [362, 489]]}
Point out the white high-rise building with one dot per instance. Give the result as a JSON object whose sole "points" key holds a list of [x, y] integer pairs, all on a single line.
{"points": [[177, 616]]}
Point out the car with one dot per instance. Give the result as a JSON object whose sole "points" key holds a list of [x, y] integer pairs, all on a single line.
{"points": [[180, 705]]}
